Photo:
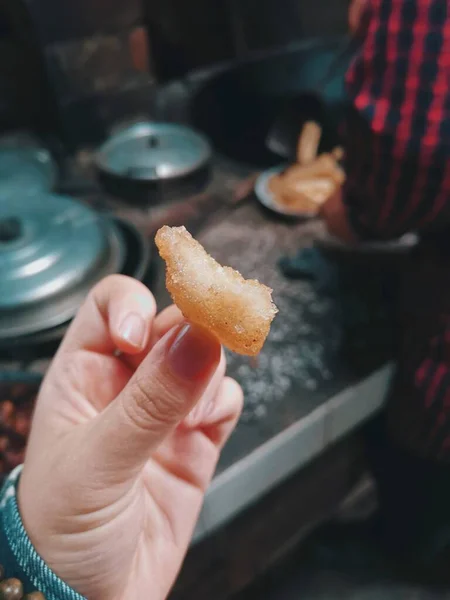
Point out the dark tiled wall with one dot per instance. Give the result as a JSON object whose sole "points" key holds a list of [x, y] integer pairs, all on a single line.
{"points": [[100, 80], [277, 22], [63, 20], [193, 33], [16, 91], [101, 58], [99, 64], [94, 58], [185, 34], [22, 97]]}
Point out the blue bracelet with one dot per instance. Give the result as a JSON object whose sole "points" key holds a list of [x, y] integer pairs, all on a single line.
{"points": [[17, 554]]}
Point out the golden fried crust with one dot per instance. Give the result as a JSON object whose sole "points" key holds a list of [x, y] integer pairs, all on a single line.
{"points": [[237, 311]]}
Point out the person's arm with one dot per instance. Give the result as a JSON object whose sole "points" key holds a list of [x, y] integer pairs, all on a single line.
{"points": [[389, 190], [336, 217], [385, 196], [18, 557], [127, 430], [355, 14], [397, 148]]}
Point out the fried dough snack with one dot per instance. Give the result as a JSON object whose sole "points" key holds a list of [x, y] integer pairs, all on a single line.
{"points": [[237, 311], [306, 185], [323, 166], [338, 153], [292, 198], [308, 143], [315, 190]]}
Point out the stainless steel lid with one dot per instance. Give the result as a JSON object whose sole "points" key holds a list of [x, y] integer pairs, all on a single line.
{"points": [[52, 249], [154, 152], [26, 169]]}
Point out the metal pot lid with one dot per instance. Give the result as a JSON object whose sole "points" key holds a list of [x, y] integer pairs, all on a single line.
{"points": [[26, 169], [154, 152], [50, 246], [42, 342]]}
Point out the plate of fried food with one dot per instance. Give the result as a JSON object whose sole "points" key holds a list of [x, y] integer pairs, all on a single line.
{"points": [[300, 189]]}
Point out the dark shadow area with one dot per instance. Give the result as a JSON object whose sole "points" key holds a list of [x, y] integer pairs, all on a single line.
{"points": [[237, 107]]}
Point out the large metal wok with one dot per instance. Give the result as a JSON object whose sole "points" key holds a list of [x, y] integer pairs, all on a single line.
{"points": [[238, 104]]}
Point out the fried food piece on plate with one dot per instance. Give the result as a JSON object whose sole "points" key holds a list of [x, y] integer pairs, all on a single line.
{"points": [[308, 143], [305, 189], [338, 153], [317, 191], [299, 202], [324, 166], [237, 311], [297, 196]]}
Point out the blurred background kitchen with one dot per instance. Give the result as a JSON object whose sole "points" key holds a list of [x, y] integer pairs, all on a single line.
{"points": [[101, 61], [92, 97]]}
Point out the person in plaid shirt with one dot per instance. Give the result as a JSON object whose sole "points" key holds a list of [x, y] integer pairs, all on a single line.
{"points": [[398, 166]]}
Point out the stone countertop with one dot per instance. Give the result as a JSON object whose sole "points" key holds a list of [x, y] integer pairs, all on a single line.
{"points": [[303, 393], [300, 366]]}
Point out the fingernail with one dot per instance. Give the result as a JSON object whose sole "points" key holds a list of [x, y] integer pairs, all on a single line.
{"points": [[193, 353], [134, 330]]}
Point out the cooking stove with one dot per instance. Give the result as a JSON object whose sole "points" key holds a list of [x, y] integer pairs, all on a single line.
{"points": [[31, 332], [24, 360], [137, 224]]}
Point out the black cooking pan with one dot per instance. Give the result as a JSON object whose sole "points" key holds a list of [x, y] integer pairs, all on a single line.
{"points": [[237, 106], [283, 135]]}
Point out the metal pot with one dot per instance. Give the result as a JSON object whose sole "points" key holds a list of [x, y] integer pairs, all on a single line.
{"points": [[237, 106], [26, 169], [53, 249], [152, 162]]}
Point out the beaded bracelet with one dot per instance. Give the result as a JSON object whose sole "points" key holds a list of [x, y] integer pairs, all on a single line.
{"points": [[12, 589]]}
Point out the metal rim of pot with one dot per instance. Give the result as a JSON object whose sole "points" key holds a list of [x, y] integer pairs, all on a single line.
{"points": [[52, 250], [57, 310], [27, 169], [136, 264], [138, 250]]}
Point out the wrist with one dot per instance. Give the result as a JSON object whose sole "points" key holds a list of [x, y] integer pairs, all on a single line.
{"points": [[17, 553], [337, 218], [343, 230]]}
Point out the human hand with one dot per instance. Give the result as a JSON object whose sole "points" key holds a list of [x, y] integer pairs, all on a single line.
{"points": [[335, 215], [123, 446]]}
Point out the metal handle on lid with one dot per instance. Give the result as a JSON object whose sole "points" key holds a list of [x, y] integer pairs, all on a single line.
{"points": [[10, 229]]}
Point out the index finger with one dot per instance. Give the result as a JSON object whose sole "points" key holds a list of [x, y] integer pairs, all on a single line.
{"points": [[166, 320], [104, 323]]}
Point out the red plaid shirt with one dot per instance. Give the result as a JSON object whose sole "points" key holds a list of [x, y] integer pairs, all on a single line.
{"points": [[398, 166], [399, 84]]}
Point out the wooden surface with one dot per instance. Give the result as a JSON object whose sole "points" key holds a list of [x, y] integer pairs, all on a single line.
{"points": [[224, 564]]}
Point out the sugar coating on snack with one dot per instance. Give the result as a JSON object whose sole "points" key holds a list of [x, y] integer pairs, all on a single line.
{"points": [[237, 311]]}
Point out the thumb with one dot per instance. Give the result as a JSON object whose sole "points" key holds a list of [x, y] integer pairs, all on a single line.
{"points": [[163, 390]]}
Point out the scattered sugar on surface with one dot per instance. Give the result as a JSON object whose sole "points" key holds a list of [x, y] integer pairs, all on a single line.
{"points": [[300, 353]]}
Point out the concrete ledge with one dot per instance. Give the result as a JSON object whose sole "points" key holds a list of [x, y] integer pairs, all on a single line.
{"points": [[252, 477]]}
